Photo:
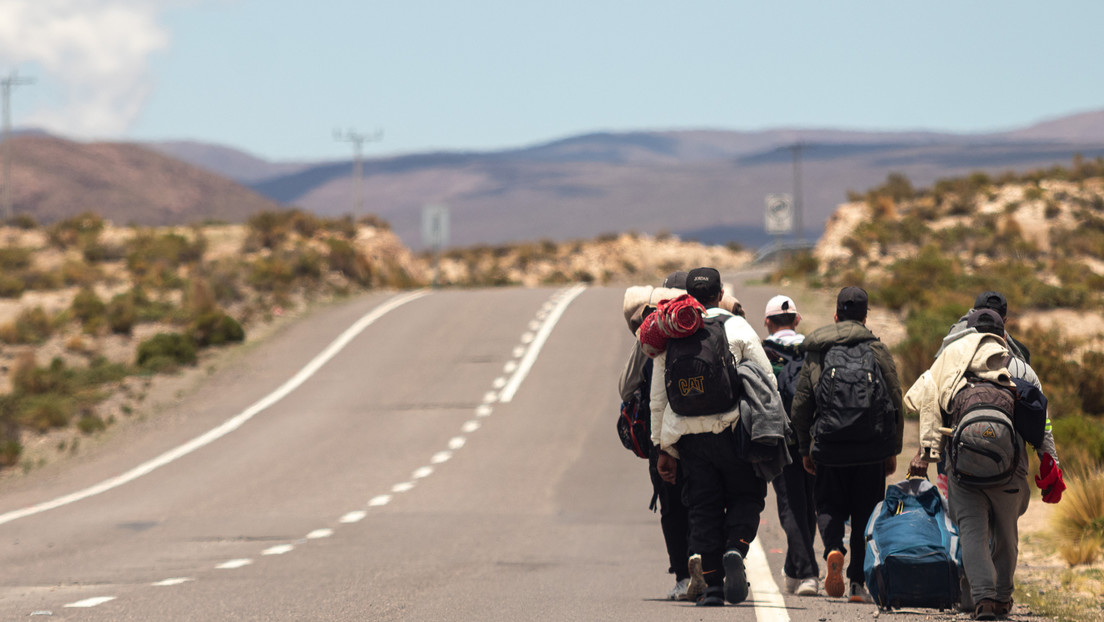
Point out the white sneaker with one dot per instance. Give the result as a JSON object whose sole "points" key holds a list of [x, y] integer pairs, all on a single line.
{"points": [[809, 586], [697, 579], [859, 594], [679, 591], [791, 583]]}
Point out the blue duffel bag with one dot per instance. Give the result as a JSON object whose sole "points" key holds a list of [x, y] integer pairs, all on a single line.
{"points": [[912, 549]]}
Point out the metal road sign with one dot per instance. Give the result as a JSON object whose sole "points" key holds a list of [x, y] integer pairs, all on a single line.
{"points": [[779, 216], [435, 226]]}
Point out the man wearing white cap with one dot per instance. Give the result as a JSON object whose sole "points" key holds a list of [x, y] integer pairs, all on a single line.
{"points": [[794, 488]]}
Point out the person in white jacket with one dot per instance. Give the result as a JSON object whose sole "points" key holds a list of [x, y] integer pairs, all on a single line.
{"points": [[722, 491]]}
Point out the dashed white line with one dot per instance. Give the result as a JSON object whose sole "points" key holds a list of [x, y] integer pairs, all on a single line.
{"points": [[490, 397], [379, 500], [519, 352], [172, 581], [402, 487], [91, 602], [470, 426], [234, 563], [318, 534], [456, 442], [499, 382], [353, 517], [279, 549], [483, 411], [422, 472], [531, 354], [441, 456]]}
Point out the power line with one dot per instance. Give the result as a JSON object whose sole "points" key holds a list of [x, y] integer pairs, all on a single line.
{"points": [[6, 85], [358, 139]]}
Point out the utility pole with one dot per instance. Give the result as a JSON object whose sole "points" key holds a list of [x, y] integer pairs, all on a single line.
{"points": [[798, 209], [358, 139], [6, 85]]}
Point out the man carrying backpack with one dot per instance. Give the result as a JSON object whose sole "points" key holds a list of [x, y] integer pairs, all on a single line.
{"points": [[794, 488], [971, 390], [635, 389], [721, 489], [848, 416]]}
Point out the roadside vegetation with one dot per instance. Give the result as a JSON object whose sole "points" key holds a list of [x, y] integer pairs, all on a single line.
{"points": [[925, 253], [99, 310]]}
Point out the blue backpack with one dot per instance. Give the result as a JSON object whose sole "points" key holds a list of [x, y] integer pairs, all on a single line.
{"points": [[913, 557]]}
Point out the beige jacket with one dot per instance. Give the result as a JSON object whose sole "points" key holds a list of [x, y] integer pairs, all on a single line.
{"points": [[981, 354]]}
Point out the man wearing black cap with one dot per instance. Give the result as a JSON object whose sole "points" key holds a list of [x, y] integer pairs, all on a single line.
{"points": [[722, 491], [849, 446], [997, 302]]}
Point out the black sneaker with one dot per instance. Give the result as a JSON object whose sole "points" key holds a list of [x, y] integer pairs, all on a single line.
{"points": [[714, 596], [735, 581]]}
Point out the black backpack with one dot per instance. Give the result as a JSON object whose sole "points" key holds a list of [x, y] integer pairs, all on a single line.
{"points": [[856, 421], [786, 362], [984, 446], [701, 372], [634, 422]]}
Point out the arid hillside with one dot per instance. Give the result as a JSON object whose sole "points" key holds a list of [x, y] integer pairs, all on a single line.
{"points": [[54, 179]]}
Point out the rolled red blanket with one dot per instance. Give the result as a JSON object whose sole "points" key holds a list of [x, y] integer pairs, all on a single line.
{"points": [[680, 317]]}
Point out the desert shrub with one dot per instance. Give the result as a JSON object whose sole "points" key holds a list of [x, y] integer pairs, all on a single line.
{"points": [[121, 314], [23, 221], [95, 250], [269, 229], [375, 221], [80, 273], [41, 412], [271, 274], [149, 309], [214, 328], [90, 310], [166, 352], [345, 227], [13, 258], [76, 230], [90, 424], [345, 259], [156, 258], [1079, 438], [30, 326], [911, 280], [1079, 518], [801, 266], [224, 277], [11, 286]]}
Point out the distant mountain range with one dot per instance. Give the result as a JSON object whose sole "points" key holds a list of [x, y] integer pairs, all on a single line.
{"points": [[708, 185]]}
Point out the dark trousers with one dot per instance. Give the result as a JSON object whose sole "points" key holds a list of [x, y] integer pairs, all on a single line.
{"points": [[848, 493], [797, 514], [724, 497], [673, 519]]}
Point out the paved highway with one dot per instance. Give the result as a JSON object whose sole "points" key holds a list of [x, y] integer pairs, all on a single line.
{"points": [[444, 455]]}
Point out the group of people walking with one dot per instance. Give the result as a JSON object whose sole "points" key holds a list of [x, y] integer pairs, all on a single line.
{"points": [[820, 418]]}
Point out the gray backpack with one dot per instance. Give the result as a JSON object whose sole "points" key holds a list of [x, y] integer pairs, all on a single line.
{"points": [[984, 447]]}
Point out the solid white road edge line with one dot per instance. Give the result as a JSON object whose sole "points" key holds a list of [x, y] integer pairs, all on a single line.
{"points": [[231, 424], [770, 606], [534, 349]]}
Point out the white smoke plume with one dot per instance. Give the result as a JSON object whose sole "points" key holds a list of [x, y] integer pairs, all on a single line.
{"points": [[96, 53]]}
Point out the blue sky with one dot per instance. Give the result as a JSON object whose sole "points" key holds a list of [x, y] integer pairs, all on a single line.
{"points": [[275, 78]]}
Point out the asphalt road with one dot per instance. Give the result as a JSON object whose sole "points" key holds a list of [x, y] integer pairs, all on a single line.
{"points": [[453, 457]]}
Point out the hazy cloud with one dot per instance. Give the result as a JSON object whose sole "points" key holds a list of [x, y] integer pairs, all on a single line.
{"points": [[96, 52]]}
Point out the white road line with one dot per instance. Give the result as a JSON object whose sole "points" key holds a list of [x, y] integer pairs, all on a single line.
{"points": [[470, 426], [403, 487], [456, 442], [526, 363], [422, 472], [441, 456], [379, 500], [770, 606], [234, 563], [229, 425], [483, 411], [279, 549], [353, 517], [91, 602], [172, 581], [318, 534]]}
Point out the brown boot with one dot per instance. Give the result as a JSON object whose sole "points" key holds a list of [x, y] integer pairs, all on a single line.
{"points": [[986, 609], [1004, 608]]}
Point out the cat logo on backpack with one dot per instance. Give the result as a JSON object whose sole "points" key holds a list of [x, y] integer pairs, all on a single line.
{"points": [[695, 385]]}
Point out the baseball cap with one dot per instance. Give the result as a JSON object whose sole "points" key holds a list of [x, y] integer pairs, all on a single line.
{"points": [[676, 280], [992, 300], [703, 283], [852, 303], [781, 305], [985, 321]]}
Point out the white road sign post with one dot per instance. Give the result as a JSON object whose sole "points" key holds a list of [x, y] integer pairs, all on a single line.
{"points": [[779, 215]]}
